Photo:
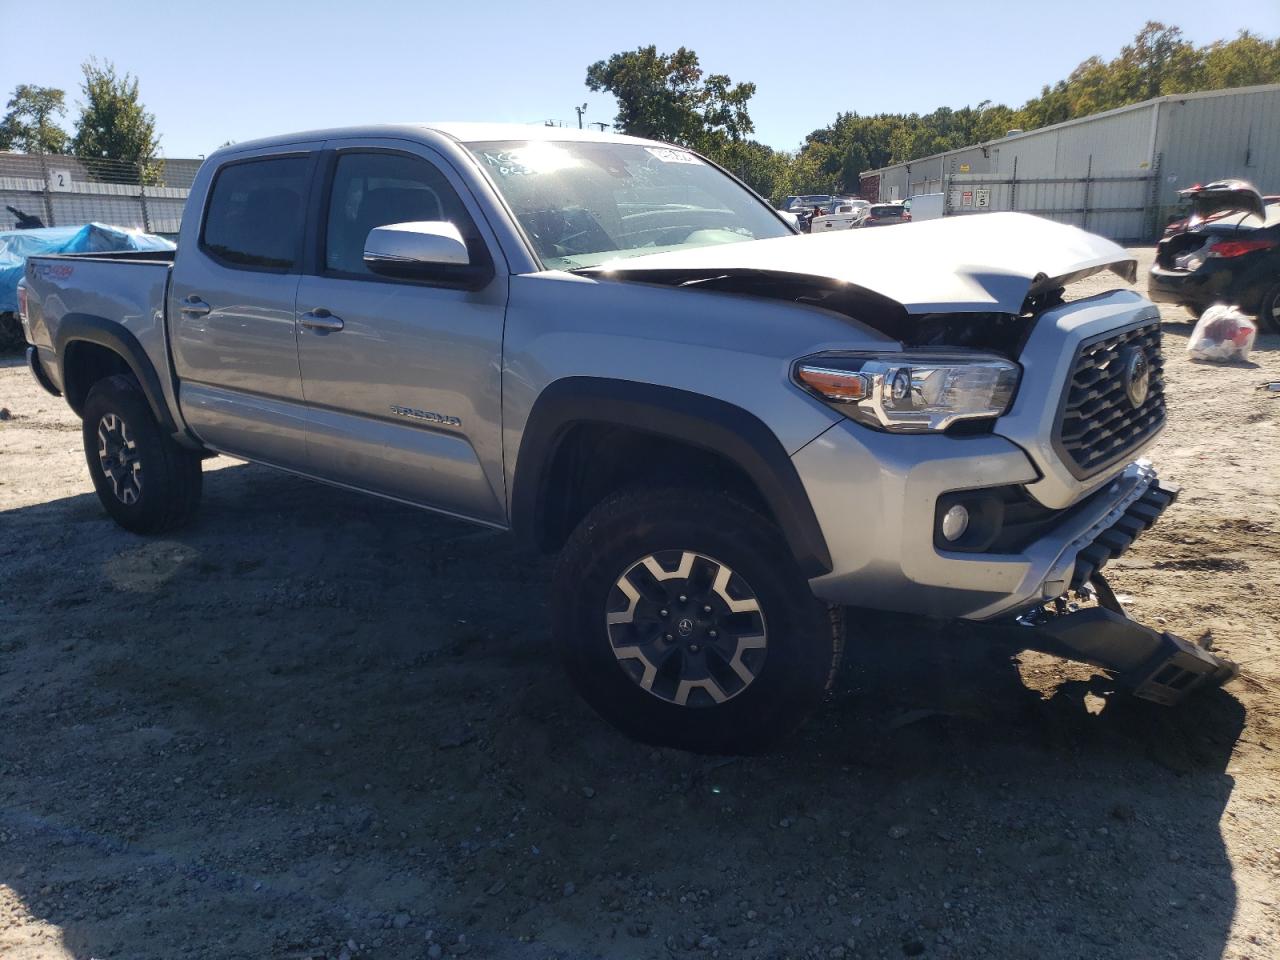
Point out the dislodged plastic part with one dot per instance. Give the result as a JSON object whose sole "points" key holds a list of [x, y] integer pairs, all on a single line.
{"points": [[1223, 335], [1154, 665]]}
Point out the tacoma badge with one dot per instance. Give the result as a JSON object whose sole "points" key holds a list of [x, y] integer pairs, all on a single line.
{"points": [[427, 415]]}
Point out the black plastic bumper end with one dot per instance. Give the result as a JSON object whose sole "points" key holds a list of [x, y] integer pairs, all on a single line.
{"points": [[37, 371]]}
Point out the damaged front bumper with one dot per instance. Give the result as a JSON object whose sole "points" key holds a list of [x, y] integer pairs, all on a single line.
{"points": [[1156, 666]]}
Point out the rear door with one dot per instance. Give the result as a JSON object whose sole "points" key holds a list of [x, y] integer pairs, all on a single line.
{"points": [[402, 378], [231, 308]]}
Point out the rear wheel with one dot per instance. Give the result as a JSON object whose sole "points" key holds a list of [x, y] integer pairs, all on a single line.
{"points": [[145, 481], [683, 621], [1269, 310]]}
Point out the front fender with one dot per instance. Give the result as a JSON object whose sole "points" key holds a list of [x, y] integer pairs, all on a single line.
{"points": [[696, 419]]}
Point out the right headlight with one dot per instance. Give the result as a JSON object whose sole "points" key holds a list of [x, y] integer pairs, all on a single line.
{"points": [[911, 392]]}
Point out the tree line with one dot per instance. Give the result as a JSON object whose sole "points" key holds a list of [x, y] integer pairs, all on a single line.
{"points": [[112, 124], [667, 97]]}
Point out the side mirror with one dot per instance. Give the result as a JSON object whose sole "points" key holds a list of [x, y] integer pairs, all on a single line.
{"points": [[428, 250]]}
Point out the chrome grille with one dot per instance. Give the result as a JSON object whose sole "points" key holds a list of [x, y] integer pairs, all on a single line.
{"points": [[1099, 424]]}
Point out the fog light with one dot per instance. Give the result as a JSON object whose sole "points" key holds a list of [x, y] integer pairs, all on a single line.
{"points": [[955, 522]]}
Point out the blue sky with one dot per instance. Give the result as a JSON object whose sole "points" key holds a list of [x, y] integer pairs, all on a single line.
{"points": [[232, 70]]}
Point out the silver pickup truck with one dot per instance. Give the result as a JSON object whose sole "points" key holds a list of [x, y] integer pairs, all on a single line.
{"points": [[736, 438]]}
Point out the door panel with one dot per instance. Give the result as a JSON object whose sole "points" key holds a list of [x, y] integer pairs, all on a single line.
{"points": [[405, 398], [231, 309]]}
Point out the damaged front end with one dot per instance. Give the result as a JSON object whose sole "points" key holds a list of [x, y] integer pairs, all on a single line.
{"points": [[1154, 665]]}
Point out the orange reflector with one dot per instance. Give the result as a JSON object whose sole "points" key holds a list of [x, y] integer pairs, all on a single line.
{"points": [[834, 384]]}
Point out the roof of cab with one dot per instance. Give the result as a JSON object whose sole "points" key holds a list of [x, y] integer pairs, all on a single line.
{"points": [[467, 132], [461, 132]]}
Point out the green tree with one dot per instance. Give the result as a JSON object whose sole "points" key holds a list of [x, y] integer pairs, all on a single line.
{"points": [[114, 125], [1243, 62], [665, 96], [31, 126]]}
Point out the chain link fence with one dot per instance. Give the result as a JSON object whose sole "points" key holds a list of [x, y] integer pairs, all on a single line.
{"points": [[68, 191]]}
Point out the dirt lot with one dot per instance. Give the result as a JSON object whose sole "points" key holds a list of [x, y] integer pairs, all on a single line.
{"points": [[320, 725]]}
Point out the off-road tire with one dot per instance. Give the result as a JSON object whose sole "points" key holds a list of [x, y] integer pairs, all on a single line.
{"points": [[805, 636], [1269, 310], [163, 491]]}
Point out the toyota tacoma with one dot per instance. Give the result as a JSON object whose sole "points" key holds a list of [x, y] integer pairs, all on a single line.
{"points": [[736, 439]]}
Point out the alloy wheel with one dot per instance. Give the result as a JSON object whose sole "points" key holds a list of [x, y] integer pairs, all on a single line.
{"points": [[119, 459], [686, 628]]}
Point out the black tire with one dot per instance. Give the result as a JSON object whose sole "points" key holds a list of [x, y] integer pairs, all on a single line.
{"points": [[1269, 311], [146, 482], [790, 674]]}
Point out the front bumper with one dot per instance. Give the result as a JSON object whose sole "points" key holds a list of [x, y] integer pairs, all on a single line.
{"points": [[875, 497]]}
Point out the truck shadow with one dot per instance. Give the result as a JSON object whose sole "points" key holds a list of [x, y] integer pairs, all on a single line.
{"points": [[313, 720]]}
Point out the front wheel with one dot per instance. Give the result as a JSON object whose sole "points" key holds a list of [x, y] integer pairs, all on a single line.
{"points": [[145, 481], [684, 621]]}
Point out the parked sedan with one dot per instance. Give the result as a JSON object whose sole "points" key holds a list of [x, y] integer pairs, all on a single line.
{"points": [[885, 214], [1229, 253]]}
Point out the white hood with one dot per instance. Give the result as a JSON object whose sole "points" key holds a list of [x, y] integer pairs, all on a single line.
{"points": [[969, 264]]}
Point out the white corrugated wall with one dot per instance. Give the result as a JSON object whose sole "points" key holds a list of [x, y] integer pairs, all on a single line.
{"points": [[1216, 138], [1182, 141]]}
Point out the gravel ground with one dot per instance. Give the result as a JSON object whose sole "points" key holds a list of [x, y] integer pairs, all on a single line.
{"points": [[317, 725]]}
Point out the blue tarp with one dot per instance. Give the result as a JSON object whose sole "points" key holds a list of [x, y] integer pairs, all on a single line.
{"points": [[17, 245]]}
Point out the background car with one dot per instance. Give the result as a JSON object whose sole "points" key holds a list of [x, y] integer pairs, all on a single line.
{"points": [[886, 214], [1228, 252]]}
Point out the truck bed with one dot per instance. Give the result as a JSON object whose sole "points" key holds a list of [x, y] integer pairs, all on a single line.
{"points": [[120, 292]]}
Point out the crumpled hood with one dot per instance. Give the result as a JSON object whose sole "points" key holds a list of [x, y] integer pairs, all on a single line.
{"points": [[966, 264]]}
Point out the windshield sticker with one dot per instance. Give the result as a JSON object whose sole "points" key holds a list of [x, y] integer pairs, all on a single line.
{"points": [[672, 156], [531, 159]]}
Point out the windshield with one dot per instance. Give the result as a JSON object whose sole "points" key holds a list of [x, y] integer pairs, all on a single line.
{"points": [[886, 211], [582, 204]]}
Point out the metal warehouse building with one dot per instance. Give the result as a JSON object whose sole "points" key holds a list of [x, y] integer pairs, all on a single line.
{"points": [[1116, 173]]}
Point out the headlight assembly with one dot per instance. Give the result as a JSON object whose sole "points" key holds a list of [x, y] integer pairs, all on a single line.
{"points": [[911, 392]]}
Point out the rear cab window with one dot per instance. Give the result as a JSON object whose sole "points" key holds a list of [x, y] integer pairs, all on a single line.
{"points": [[256, 213]]}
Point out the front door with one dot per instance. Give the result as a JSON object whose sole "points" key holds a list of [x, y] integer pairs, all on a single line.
{"points": [[231, 309], [402, 379]]}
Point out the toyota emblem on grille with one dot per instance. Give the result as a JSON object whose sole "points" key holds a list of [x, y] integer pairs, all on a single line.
{"points": [[1137, 376]]}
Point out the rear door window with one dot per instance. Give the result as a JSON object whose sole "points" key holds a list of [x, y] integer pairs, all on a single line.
{"points": [[256, 212]]}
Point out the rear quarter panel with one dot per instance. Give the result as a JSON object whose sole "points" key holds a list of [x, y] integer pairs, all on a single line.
{"points": [[128, 292]]}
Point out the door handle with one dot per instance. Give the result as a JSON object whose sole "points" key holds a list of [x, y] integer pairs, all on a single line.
{"points": [[193, 306], [321, 319]]}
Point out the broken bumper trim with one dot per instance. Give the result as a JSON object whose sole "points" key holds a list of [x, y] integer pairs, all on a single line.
{"points": [[1118, 535], [1156, 666]]}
